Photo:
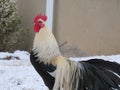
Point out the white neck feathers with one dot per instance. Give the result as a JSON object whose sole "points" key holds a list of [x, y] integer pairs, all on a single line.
{"points": [[45, 45]]}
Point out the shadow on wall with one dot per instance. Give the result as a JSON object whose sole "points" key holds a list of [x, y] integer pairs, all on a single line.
{"points": [[69, 50]]}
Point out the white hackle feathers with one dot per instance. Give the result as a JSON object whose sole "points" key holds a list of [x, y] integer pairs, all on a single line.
{"points": [[45, 45]]}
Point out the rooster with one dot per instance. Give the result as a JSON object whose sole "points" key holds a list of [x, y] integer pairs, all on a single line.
{"points": [[61, 73]]}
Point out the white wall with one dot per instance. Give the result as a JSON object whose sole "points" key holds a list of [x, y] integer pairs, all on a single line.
{"points": [[49, 12]]}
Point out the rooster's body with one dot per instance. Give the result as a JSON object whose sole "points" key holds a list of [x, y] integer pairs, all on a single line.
{"points": [[60, 73]]}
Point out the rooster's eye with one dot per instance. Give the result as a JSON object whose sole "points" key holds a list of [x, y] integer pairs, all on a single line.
{"points": [[39, 21]]}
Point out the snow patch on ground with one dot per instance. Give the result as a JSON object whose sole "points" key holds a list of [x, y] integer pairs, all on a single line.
{"points": [[19, 74]]}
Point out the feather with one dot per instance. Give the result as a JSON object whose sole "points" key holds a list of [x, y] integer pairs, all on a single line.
{"points": [[102, 64], [45, 46], [96, 78], [42, 69], [85, 75]]}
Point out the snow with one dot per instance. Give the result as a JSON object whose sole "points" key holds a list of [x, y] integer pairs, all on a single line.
{"points": [[17, 73]]}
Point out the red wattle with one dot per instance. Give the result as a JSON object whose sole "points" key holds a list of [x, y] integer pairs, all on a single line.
{"points": [[36, 28]]}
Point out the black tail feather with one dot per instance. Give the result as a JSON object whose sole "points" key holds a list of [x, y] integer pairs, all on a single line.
{"points": [[102, 64], [97, 74]]}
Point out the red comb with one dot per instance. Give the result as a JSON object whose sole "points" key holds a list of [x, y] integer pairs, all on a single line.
{"points": [[40, 16]]}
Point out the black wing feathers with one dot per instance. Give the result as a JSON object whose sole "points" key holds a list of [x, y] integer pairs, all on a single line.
{"points": [[42, 70]]}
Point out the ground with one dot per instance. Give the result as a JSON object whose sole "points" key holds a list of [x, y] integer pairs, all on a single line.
{"points": [[17, 73]]}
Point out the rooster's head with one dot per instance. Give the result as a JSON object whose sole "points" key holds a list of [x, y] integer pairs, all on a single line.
{"points": [[39, 22]]}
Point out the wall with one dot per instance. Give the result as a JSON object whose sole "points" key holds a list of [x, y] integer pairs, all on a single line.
{"points": [[92, 26], [28, 9]]}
